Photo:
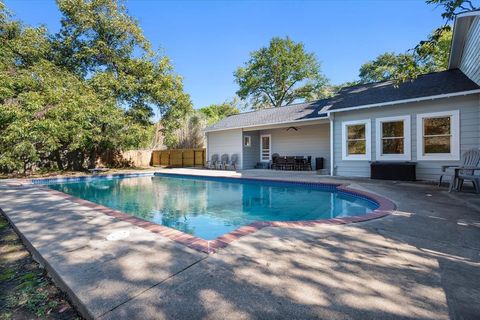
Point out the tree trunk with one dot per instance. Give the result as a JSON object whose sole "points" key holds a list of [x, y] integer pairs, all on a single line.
{"points": [[58, 160], [92, 161]]}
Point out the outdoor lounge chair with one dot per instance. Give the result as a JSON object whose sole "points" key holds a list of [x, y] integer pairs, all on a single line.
{"points": [[280, 163], [224, 161], [466, 171], [471, 177], [309, 163], [290, 163], [213, 163], [233, 162], [274, 162], [300, 163]]}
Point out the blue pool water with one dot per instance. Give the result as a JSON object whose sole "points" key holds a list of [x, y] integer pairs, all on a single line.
{"points": [[209, 208]]}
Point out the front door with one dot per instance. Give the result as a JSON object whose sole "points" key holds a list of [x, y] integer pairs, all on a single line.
{"points": [[265, 147]]}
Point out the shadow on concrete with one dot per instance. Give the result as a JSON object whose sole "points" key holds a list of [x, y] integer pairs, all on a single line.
{"points": [[421, 264]]}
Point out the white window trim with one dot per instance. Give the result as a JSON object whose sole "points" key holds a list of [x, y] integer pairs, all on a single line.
{"points": [[368, 154], [249, 141], [454, 154], [261, 147], [407, 139]]}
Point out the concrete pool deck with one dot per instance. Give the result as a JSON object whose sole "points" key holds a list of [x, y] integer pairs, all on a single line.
{"points": [[422, 262]]}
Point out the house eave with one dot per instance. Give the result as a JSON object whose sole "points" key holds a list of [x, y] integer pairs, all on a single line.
{"points": [[272, 124], [461, 26], [396, 102]]}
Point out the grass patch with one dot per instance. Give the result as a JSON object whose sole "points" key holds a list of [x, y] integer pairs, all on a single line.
{"points": [[3, 223], [7, 274]]}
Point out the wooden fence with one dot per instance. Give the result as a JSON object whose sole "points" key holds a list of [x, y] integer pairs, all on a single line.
{"points": [[179, 158], [130, 158]]}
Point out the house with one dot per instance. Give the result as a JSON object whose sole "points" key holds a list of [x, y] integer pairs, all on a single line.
{"points": [[430, 120]]}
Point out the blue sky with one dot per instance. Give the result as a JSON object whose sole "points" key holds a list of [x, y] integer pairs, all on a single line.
{"points": [[208, 40]]}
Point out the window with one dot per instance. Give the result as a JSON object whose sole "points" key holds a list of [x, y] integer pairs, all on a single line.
{"points": [[393, 138], [438, 136], [356, 140], [247, 141]]}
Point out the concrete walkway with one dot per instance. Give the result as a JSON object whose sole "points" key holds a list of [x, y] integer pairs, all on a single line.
{"points": [[423, 262]]}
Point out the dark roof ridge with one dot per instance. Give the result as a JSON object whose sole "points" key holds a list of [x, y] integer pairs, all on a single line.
{"points": [[273, 108], [392, 80]]}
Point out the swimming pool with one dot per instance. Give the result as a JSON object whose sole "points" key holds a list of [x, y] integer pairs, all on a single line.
{"points": [[208, 207]]}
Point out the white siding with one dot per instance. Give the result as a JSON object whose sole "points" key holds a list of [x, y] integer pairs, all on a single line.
{"points": [[312, 140], [228, 141], [469, 107], [470, 63]]}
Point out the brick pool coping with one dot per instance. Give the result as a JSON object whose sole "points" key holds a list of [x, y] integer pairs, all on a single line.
{"points": [[385, 207]]}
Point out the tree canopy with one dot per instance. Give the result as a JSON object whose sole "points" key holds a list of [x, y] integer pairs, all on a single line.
{"points": [[67, 97], [279, 74], [99, 41], [383, 67], [453, 7], [427, 58], [215, 112], [430, 55]]}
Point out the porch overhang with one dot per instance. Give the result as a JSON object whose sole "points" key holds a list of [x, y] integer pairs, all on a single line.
{"points": [[296, 123]]}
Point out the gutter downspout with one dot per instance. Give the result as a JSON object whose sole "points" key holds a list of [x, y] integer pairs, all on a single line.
{"points": [[331, 117]]}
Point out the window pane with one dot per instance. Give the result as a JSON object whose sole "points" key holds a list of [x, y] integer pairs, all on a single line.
{"points": [[436, 126], [437, 145], [356, 147], [356, 131], [392, 146], [392, 129], [266, 142]]}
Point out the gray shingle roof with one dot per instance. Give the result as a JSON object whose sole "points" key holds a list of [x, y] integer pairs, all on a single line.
{"points": [[432, 84], [290, 113]]}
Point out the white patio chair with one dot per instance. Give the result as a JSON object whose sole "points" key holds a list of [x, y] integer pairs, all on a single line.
{"points": [[224, 161], [212, 164], [466, 171], [233, 162]]}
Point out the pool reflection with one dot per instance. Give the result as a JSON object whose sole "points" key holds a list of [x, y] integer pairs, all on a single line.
{"points": [[207, 208]]}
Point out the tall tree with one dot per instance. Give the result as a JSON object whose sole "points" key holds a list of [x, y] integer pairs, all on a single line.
{"points": [[279, 74], [400, 67], [216, 112], [66, 98], [430, 55], [383, 67], [102, 43], [437, 45], [50, 117], [190, 133]]}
